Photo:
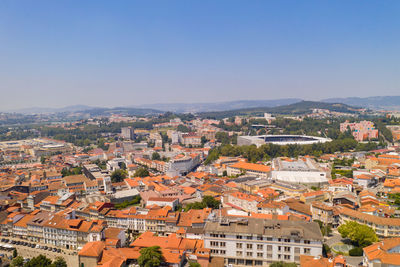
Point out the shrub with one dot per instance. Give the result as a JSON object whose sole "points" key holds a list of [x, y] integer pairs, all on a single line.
{"points": [[357, 251]]}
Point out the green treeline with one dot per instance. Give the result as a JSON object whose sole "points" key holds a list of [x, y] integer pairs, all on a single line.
{"points": [[269, 151]]}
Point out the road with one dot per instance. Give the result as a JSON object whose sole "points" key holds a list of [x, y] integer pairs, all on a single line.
{"points": [[70, 256], [335, 238]]}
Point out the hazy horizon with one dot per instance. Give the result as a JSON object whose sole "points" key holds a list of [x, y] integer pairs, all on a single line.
{"points": [[128, 53]]}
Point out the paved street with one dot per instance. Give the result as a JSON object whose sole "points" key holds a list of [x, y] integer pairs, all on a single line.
{"points": [[70, 256], [335, 238]]}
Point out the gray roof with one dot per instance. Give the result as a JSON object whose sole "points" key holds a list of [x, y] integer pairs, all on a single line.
{"points": [[270, 228]]}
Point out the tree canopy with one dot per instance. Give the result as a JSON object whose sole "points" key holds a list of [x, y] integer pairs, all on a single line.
{"points": [[155, 156], [207, 202], [150, 257], [283, 264], [39, 261], [141, 172], [360, 234], [118, 175]]}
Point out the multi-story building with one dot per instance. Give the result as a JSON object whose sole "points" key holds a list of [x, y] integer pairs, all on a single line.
{"points": [[300, 171], [258, 242], [384, 227], [127, 133], [323, 212], [70, 234], [249, 168], [363, 130]]}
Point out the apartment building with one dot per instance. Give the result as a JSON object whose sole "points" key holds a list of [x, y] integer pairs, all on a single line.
{"points": [[384, 227], [249, 168], [258, 242], [382, 254], [363, 130], [70, 234], [323, 212]]}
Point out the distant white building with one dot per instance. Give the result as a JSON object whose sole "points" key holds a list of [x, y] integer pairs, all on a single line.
{"points": [[301, 171], [127, 133]]}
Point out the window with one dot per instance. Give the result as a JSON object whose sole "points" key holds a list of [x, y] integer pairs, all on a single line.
{"points": [[287, 249], [286, 257], [307, 251], [269, 247], [222, 244], [259, 237], [238, 237], [239, 253], [307, 242], [239, 245], [260, 263], [297, 250], [249, 254], [269, 238], [260, 247], [260, 255], [279, 248], [249, 246], [287, 240], [249, 237], [222, 236]]}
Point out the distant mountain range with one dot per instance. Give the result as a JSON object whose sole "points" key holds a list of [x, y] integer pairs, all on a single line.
{"points": [[219, 106], [373, 102], [44, 110], [278, 105]]}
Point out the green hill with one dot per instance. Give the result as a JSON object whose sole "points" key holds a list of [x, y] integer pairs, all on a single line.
{"points": [[299, 108]]}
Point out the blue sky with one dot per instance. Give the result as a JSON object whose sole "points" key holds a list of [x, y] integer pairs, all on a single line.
{"points": [[120, 53]]}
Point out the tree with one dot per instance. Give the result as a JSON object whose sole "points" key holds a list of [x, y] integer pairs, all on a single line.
{"points": [[194, 264], [357, 251], [182, 128], [211, 202], [17, 262], [155, 156], [39, 261], [118, 175], [150, 257], [207, 202], [361, 235], [59, 262], [283, 264], [42, 159], [122, 165], [15, 253], [141, 172]]}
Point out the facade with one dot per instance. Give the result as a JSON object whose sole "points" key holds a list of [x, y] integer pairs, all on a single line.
{"points": [[249, 168], [300, 171], [258, 242], [127, 133], [363, 130], [260, 140], [384, 227]]}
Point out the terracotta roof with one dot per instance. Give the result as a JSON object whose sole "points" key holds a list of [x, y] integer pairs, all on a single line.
{"points": [[92, 249], [380, 251], [251, 167]]}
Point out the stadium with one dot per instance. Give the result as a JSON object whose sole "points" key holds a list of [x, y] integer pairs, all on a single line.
{"points": [[259, 140]]}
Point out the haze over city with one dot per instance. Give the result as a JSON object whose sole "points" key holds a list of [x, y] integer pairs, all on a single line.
{"points": [[126, 53]]}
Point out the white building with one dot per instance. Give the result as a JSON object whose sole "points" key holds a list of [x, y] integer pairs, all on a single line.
{"points": [[301, 171], [258, 242]]}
